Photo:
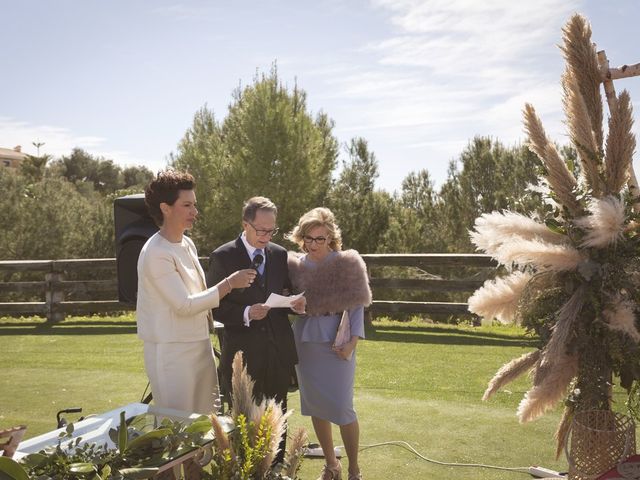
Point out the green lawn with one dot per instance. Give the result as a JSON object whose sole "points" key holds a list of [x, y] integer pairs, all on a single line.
{"points": [[415, 382]]}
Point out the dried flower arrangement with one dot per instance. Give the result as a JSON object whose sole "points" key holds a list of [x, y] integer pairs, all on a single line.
{"points": [[249, 450], [574, 275]]}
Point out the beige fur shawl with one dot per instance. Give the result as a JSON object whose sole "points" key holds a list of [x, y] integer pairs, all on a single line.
{"points": [[338, 283]]}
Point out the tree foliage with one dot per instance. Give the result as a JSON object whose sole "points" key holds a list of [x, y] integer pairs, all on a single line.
{"points": [[492, 177], [361, 211], [269, 145], [50, 218], [414, 221]]}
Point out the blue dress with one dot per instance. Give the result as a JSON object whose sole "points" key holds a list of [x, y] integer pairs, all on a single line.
{"points": [[325, 380]]}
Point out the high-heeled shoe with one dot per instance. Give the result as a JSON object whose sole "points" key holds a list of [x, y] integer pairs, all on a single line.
{"points": [[331, 473], [355, 476]]}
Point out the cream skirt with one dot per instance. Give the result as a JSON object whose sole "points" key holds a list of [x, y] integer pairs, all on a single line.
{"points": [[183, 375]]}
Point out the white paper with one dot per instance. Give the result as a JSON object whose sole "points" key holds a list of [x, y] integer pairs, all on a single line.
{"points": [[280, 301]]}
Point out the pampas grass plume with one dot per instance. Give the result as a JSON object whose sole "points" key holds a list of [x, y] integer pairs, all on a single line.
{"points": [[560, 179], [553, 387], [242, 390], [605, 225], [562, 330], [562, 432], [544, 256], [510, 371], [582, 60], [581, 131], [276, 421], [621, 317], [492, 230], [221, 438], [621, 144], [499, 298], [295, 451]]}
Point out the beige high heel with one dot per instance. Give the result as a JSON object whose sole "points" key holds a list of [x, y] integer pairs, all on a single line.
{"points": [[355, 476], [331, 473]]}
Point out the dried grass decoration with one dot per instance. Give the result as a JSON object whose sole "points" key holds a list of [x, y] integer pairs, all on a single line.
{"points": [[573, 270]]}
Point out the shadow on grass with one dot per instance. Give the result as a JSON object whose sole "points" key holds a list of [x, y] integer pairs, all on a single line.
{"points": [[388, 333], [446, 336], [84, 327]]}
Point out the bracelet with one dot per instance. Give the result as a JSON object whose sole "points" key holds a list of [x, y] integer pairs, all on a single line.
{"points": [[228, 283]]}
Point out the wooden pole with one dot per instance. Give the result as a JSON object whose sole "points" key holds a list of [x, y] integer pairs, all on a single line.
{"points": [[54, 295], [624, 71]]}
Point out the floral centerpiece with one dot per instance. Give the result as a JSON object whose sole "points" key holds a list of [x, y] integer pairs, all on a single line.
{"points": [[573, 274]]}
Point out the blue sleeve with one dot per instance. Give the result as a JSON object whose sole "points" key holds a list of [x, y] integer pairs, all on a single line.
{"points": [[356, 321]]}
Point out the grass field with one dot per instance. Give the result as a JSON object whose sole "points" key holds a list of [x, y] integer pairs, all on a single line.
{"points": [[415, 382]]}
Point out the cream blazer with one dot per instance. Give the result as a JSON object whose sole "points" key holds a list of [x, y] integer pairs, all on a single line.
{"points": [[173, 302]]}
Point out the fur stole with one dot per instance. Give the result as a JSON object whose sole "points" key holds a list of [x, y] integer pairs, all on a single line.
{"points": [[338, 283]]}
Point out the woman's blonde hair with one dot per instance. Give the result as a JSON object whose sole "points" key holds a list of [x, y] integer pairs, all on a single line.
{"points": [[318, 217]]}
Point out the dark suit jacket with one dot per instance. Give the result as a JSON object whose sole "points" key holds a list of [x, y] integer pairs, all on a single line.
{"points": [[268, 345]]}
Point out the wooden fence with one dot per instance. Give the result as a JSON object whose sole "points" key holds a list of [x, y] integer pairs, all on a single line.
{"points": [[70, 287]]}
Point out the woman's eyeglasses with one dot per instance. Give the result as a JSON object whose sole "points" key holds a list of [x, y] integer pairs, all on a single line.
{"points": [[309, 240]]}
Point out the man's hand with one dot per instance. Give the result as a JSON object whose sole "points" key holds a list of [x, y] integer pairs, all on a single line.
{"points": [[299, 305], [258, 311]]}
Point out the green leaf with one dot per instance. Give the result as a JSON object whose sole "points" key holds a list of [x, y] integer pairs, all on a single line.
{"points": [[82, 467], [122, 433], [70, 428], [134, 473], [148, 437], [199, 426], [105, 472], [11, 470], [34, 459]]}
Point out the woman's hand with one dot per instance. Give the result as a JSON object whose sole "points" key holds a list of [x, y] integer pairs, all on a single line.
{"points": [[299, 305], [242, 278], [345, 351]]}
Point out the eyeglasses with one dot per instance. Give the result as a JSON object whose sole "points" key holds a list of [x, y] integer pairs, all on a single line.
{"points": [[309, 240], [264, 233]]}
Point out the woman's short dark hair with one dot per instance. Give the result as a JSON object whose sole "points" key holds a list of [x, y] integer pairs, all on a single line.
{"points": [[165, 188]]}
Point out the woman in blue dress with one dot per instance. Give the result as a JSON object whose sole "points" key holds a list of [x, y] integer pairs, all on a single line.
{"points": [[334, 282]]}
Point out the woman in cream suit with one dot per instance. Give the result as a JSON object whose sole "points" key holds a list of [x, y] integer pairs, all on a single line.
{"points": [[174, 304]]}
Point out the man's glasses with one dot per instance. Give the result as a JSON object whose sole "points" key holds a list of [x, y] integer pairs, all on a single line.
{"points": [[264, 233], [309, 240]]}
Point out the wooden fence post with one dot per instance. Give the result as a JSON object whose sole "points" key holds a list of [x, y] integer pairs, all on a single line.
{"points": [[54, 295]]}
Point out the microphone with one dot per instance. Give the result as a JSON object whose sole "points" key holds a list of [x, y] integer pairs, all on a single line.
{"points": [[255, 264], [257, 261]]}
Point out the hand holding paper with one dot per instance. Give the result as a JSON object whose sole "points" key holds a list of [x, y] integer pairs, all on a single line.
{"points": [[280, 301]]}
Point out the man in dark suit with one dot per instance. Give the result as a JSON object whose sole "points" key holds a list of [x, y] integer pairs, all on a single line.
{"points": [[263, 334]]}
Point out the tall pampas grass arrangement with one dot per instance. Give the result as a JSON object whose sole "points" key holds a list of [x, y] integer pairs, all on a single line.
{"points": [[573, 276], [248, 452]]}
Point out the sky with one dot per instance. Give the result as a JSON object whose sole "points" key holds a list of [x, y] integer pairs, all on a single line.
{"points": [[418, 79]]}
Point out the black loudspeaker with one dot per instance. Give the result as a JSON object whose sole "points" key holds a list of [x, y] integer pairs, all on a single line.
{"points": [[133, 227]]}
